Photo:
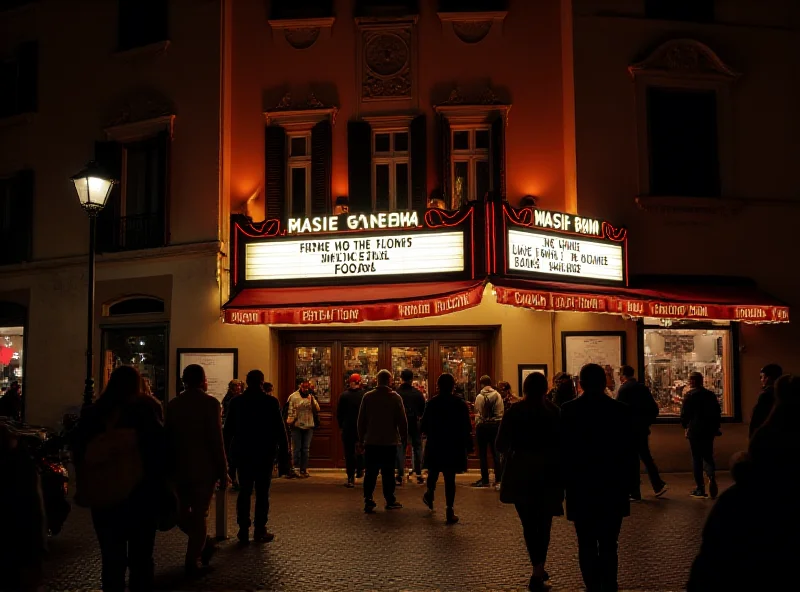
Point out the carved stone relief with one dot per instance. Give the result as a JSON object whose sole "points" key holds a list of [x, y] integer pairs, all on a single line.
{"points": [[301, 38], [472, 31], [386, 58], [684, 56]]}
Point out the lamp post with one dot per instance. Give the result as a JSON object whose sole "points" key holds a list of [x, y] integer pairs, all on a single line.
{"points": [[93, 185]]}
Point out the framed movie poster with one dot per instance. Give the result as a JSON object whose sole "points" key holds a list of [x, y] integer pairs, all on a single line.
{"points": [[523, 370], [606, 348], [221, 366]]}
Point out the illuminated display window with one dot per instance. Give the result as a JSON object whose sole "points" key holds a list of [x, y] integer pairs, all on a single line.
{"points": [[298, 175], [391, 171], [470, 164], [673, 351]]}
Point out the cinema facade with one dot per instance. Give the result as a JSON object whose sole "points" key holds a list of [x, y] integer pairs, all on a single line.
{"points": [[487, 289]]}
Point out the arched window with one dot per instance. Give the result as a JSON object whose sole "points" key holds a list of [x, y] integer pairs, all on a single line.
{"points": [[136, 305]]}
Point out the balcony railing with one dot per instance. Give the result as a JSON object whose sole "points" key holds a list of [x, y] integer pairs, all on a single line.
{"points": [[128, 233]]}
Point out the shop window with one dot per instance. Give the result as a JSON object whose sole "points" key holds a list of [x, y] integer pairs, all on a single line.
{"points": [[16, 218], [469, 163], [700, 11], [129, 306], [144, 348], [414, 358], [462, 362], [142, 22], [19, 81], [361, 360], [313, 364], [672, 353], [391, 173], [683, 142], [12, 341], [135, 215]]}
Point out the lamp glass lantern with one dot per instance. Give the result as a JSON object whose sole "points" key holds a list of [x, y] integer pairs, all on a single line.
{"points": [[93, 185]]}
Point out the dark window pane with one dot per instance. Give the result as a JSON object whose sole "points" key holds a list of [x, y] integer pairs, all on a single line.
{"points": [[142, 22], [680, 10], [382, 143], [298, 192], [401, 142], [482, 139], [8, 88], [143, 348], [401, 185], [682, 128], [381, 187], [461, 140], [460, 184], [142, 178], [482, 179], [298, 147]]}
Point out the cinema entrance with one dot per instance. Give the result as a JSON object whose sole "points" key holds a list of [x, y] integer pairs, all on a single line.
{"points": [[327, 358]]}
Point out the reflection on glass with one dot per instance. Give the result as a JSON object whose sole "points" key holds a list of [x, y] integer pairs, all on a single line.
{"points": [[362, 360], [314, 365], [670, 355], [11, 340], [144, 349], [462, 362], [401, 182], [381, 187], [299, 191], [481, 179], [414, 358], [460, 184]]}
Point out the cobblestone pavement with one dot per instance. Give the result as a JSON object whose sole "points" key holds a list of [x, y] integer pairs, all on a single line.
{"points": [[325, 542]]}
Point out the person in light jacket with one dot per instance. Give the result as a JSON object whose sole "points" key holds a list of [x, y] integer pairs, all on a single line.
{"points": [[488, 413], [302, 405]]}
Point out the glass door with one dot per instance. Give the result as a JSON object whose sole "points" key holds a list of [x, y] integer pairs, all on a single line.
{"points": [[414, 358], [462, 362], [361, 359], [314, 364]]}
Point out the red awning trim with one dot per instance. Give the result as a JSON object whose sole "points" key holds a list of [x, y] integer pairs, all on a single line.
{"points": [[440, 301], [639, 306]]}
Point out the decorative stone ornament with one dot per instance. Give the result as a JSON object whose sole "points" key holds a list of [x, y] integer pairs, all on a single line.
{"points": [[472, 31], [386, 58], [684, 58], [472, 27], [301, 37], [302, 33]]}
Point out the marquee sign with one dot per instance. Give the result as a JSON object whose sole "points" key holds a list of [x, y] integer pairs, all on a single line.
{"points": [[383, 247], [562, 247]]}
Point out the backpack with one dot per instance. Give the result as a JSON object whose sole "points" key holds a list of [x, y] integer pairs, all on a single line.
{"points": [[487, 411], [111, 468]]}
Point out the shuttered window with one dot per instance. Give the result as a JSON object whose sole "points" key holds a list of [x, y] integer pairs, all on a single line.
{"points": [[19, 81], [16, 217]]}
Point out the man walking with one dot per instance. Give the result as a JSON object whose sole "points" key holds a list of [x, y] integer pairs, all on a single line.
{"points": [[700, 417], [599, 454], [382, 426], [644, 411], [766, 398], [194, 431], [488, 413], [347, 417], [414, 402], [255, 438]]}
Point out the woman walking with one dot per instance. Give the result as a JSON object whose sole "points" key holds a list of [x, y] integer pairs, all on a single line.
{"points": [[446, 424], [119, 453], [529, 438]]}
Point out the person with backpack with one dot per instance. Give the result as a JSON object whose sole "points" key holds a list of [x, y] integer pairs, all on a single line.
{"points": [[644, 411], [488, 413], [700, 417], [120, 474], [194, 430]]}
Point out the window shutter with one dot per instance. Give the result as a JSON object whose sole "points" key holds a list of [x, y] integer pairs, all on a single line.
{"points": [[499, 157], [359, 165], [444, 155], [28, 97], [22, 215], [419, 162], [161, 211], [275, 171], [321, 148], [109, 156]]}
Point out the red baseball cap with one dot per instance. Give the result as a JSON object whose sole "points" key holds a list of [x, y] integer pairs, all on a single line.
{"points": [[355, 378]]}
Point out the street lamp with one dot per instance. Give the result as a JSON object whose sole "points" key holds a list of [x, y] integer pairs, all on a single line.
{"points": [[93, 185]]}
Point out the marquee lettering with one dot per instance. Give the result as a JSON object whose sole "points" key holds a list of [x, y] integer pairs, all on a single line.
{"points": [[353, 222]]}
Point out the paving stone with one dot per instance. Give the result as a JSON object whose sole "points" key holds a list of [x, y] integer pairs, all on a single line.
{"points": [[325, 542]]}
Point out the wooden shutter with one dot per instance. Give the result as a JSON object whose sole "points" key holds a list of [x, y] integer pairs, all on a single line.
{"points": [[164, 165], [28, 77], [22, 215], [359, 165], [444, 159], [275, 171], [109, 156], [321, 148], [499, 157], [419, 164]]}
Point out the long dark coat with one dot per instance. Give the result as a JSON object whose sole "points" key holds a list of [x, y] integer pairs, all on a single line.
{"points": [[448, 428], [531, 432]]}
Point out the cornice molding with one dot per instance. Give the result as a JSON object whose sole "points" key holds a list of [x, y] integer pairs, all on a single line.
{"points": [[684, 58], [302, 23], [136, 130], [292, 118], [477, 16], [378, 122]]}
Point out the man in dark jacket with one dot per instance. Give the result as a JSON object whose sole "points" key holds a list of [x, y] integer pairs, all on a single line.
{"points": [[644, 411], [700, 417], [766, 398], [599, 454], [254, 437], [347, 417], [414, 402]]}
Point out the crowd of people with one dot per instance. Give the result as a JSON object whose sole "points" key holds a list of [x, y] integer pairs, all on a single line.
{"points": [[548, 447]]}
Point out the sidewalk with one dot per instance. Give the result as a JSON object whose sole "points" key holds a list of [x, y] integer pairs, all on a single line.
{"points": [[325, 542]]}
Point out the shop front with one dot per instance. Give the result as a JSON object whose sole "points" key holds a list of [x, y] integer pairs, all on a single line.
{"points": [[489, 289]]}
